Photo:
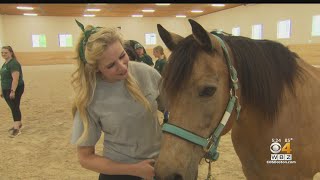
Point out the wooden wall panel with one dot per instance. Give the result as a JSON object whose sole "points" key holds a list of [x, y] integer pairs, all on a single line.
{"points": [[309, 52], [45, 58]]}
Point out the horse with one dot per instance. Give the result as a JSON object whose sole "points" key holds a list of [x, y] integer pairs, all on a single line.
{"points": [[265, 94]]}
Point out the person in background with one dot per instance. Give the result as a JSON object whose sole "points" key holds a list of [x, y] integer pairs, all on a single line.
{"points": [[160, 64], [161, 58], [117, 97], [130, 50], [12, 87], [142, 57]]}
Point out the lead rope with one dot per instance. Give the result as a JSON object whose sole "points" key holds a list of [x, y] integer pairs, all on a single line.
{"points": [[209, 176]]}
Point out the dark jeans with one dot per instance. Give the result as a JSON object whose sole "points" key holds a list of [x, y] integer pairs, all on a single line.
{"points": [[14, 104], [165, 116], [118, 177]]}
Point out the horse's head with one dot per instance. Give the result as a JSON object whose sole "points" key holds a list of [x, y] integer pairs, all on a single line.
{"points": [[196, 86]]}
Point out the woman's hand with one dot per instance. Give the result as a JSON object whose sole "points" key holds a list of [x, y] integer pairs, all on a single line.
{"points": [[12, 95], [145, 169]]}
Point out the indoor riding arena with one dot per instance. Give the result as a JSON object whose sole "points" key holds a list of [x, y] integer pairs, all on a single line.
{"points": [[44, 39]]}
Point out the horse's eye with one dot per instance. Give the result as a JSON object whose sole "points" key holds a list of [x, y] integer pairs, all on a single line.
{"points": [[207, 91]]}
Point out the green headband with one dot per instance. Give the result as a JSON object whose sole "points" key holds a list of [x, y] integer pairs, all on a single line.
{"points": [[84, 40]]}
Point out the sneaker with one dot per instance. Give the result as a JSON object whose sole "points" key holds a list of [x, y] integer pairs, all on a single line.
{"points": [[11, 129], [15, 133]]}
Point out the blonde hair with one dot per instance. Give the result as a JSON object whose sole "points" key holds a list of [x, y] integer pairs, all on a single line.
{"points": [[84, 77], [160, 50]]}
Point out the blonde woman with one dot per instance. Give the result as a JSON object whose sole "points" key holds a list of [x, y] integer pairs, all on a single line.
{"points": [[117, 97], [161, 62], [162, 59]]}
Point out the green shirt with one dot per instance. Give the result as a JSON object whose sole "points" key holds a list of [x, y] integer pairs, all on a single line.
{"points": [[160, 63], [146, 59], [6, 71]]}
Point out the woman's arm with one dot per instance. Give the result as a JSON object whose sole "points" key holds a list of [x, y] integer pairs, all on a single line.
{"points": [[89, 160], [1, 95], [14, 84]]}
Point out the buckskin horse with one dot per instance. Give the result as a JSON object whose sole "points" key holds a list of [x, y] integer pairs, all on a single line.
{"points": [[265, 94]]}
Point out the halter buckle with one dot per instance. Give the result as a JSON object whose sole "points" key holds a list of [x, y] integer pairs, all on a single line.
{"points": [[234, 80], [232, 92], [211, 142]]}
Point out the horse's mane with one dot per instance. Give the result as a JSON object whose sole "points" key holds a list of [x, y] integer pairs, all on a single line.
{"points": [[178, 70], [264, 68]]}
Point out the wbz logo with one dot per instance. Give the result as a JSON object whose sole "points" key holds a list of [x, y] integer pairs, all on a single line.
{"points": [[281, 152], [282, 157]]}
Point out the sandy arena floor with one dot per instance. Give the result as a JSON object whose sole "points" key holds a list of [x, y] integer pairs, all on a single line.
{"points": [[43, 150]]}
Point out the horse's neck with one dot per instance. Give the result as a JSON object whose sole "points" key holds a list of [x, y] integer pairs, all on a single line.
{"points": [[308, 86], [298, 118], [312, 72], [295, 111]]}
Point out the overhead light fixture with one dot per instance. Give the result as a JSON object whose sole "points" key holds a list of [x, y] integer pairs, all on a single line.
{"points": [[181, 16], [89, 15], [137, 15], [24, 8], [196, 11], [93, 9], [30, 14], [162, 4], [148, 10], [218, 5]]}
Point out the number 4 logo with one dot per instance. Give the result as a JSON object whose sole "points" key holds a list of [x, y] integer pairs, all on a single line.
{"points": [[286, 148]]}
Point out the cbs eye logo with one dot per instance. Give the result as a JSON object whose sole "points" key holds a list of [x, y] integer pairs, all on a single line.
{"points": [[277, 148]]}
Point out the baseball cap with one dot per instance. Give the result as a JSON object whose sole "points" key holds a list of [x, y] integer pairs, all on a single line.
{"points": [[137, 46]]}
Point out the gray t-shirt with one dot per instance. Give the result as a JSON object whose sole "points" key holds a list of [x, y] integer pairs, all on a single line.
{"points": [[131, 133]]}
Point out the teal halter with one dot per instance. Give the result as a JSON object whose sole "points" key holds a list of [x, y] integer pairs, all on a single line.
{"points": [[211, 143]]}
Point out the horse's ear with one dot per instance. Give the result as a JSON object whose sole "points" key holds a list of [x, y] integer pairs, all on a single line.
{"points": [[170, 39], [201, 35]]}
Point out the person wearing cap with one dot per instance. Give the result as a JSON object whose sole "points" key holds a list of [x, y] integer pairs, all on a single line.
{"points": [[142, 57]]}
